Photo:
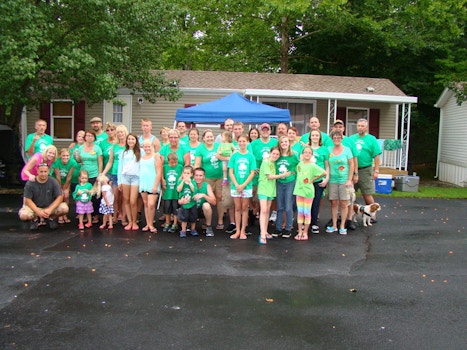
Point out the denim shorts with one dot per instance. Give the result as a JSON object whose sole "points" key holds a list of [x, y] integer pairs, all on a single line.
{"points": [[132, 180]]}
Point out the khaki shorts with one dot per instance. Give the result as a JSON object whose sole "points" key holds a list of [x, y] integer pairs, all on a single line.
{"points": [[25, 211], [365, 181], [227, 201], [216, 186], [338, 192]]}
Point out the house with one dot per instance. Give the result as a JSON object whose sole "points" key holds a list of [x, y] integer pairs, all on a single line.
{"points": [[385, 106], [451, 165]]}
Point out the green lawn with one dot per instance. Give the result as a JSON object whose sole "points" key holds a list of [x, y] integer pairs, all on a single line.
{"points": [[430, 191]]}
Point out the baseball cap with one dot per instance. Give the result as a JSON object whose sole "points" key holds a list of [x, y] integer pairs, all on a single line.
{"points": [[265, 126], [338, 121], [96, 119]]}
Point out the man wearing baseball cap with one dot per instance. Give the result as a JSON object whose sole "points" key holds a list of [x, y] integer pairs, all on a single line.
{"points": [[96, 125]]}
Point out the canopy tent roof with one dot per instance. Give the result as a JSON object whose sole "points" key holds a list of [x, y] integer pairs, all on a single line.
{"points": [[233, 106]]}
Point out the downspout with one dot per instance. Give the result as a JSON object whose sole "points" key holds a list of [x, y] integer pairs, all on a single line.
{"points": [[439, 141]]}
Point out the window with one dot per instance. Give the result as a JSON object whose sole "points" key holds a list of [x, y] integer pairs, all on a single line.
{"points": [[300, 113], [117, 115], [354, 114], [61, 120]]}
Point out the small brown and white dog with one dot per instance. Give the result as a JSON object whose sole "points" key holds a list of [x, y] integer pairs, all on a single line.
{"points": [[365, 212]]}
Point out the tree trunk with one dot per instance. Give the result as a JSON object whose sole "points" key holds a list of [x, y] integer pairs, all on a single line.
{"points": [[285, 46]]}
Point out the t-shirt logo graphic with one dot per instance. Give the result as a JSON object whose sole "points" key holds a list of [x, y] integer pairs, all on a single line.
{"points": [[171, 179], [282, 169]]}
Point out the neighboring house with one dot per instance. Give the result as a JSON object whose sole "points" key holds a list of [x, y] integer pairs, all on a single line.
{"points": [[451, 164], [385, 106]]}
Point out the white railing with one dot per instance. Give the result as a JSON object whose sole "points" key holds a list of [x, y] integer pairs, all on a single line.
{"points": [[391, 159]]}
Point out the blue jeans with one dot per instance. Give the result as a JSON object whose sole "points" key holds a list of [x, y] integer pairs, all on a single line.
{"points": [[316, 201], [285, 203]]}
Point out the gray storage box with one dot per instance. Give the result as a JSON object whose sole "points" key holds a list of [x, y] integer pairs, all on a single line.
{"points": [[406, 183]]}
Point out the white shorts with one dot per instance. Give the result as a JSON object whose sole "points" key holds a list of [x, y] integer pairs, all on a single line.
{"points": [[243, 194]]}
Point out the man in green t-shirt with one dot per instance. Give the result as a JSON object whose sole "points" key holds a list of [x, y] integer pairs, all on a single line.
{"points": [[39, 140], [368, 150], [315, 125], [96, 125]]}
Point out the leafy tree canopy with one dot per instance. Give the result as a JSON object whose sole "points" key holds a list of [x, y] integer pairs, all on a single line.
{"points": [[81, 49]]}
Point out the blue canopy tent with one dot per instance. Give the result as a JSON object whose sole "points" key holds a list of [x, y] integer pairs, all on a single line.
{"points": [[233, 106]]}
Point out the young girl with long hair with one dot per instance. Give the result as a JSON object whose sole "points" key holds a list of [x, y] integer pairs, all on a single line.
{"points": [[128, 179]]}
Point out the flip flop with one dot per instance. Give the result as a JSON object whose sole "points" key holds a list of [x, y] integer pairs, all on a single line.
{"points": [[61, 221], [298, 237], [145, 229], [67, 221], [153, 229], [220, 227]]}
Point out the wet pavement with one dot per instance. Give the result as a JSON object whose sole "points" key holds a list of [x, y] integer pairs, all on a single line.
{"points": [[399, 284]]}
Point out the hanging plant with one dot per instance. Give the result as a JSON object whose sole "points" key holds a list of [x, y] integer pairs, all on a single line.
{"points": [[119, 102]]}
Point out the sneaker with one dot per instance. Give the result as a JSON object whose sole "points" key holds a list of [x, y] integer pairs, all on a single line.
{"points": [[166, 228], [331, 229], [273, 216], [34, 225], [194, 233], [287, 234], [225, 182], [350, 225], [373, 221], [342, 231], [315, 229], [231, 229], [248, 231], [277, 233], [173, 228], [182, 234], [209, 232], [53, 224]]}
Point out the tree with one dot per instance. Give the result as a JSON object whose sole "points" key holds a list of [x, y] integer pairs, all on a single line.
{"points": [[81, 49]]}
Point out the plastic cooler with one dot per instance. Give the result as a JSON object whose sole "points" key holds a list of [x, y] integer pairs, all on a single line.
{"points": [[383, 184], [406, 183]]}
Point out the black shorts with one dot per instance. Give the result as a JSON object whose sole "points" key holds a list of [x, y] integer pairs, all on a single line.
{"points": [[188, 215], [170, 206], [201, 213]]}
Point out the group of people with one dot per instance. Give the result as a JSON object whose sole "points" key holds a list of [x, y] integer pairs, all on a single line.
{"points": [[117, 174]]}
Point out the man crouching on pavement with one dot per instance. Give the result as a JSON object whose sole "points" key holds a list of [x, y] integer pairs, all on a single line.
{"points": [[43, 200]]}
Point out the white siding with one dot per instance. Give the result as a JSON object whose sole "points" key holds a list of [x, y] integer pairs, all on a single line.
{"points": [[452, 153]]}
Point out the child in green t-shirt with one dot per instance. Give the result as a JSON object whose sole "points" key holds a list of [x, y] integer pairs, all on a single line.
{"points": [[172, 172], [304, 190], [188, 211], [63, 169], [225, 149]]}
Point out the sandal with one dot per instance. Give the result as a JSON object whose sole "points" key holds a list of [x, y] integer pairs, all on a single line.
{"points": [[61, 221], [67, 221], [88, 225], [262, 241], [153, 230], [80, 227], [145, 229], [220, 227]]}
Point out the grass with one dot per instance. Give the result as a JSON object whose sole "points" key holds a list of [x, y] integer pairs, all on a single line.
{"points": [[431, 191]]}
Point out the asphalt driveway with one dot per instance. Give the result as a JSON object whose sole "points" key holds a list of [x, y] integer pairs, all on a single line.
{"points": [[399, 284]]}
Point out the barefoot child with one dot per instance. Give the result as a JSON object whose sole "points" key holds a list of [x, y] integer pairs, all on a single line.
{"points": [[188, 212], [82, 195], [304, 190], [225, 149], [106, 207]]}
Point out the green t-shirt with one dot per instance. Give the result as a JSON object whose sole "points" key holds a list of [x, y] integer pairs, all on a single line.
{"points": [[285, 164], [305, 173], [41, 143], [181, 151], [348, 142], [339, 166], [106, 148], [267, 187], [261, 151], [90, 160], [187, 192], [117, 150], [74, 177], [367, 149], [202, 189], [102, 137], [85, 196], [321, 154], [171, 176], [64, 169], [297, 149], [209, 161], [184, 140], [242, 165], [192, 153]]}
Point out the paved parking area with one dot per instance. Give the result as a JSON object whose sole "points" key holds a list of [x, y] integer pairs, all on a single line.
{"points": [[399, 284]]}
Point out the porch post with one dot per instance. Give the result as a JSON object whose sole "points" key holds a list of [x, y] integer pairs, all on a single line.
{"points": [[332, 113], [405, 135]]}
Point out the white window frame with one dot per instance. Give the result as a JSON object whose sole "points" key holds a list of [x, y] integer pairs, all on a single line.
{"points": [[52, 120], [126, 111]]}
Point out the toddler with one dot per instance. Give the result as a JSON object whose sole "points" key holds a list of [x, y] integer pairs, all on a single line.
{"points": [[225, 149]]}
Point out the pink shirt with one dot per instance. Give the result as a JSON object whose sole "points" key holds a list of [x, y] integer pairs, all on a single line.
{"points": [[33, 171]]}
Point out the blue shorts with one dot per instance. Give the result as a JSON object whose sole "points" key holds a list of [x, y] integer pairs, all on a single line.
{"points": [[132, 180], [113, 179]]}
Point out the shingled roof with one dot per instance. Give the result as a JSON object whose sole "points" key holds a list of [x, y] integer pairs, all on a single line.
{"points": [[283, 82]]}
